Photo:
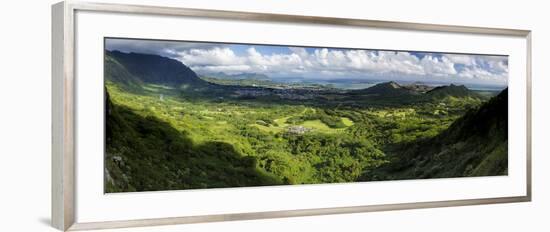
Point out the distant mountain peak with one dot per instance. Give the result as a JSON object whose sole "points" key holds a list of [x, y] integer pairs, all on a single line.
{"points": [[457, 86], [451, 90], [388, 84], [393, 84], [418, 86], [387, 89], [156, 69]]}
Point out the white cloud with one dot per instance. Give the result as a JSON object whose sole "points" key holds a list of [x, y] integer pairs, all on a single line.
{"points": [[299, 51], [467, 60], [499, 66], [169, 49], [338, 62], [496, 63], [224, 68], [482, 68], [483, 75], [358, 61], [438, 66], [323, 62], [213, 57]]}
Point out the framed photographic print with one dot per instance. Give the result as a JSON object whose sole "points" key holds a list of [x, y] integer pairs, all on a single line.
{"points": [[203, 115]]}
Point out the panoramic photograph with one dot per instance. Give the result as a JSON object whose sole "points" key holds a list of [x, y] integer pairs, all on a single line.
{"points": [[198, 115]]}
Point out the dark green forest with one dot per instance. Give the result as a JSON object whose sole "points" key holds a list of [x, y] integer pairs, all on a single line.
{"points": [[168, 128]]}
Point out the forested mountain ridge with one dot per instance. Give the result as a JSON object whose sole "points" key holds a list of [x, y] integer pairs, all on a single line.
{"points": [[476, 144], [155, 69], [451, 90], [387, 89]]}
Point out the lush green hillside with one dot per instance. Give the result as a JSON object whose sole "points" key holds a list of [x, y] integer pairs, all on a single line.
{"points": [[451, 91], [387, 89], [476, 144], [144, 153]]}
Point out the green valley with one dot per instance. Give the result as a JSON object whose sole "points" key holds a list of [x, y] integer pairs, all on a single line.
{"points": [[169, 128]]}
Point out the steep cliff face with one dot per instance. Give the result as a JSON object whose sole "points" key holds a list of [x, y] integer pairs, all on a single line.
{"points": [[147, 68]]}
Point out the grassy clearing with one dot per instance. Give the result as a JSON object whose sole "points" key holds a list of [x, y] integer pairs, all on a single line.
{"points": [[269, 129], [281, 122], [394, 113], [348, 122], [319, 126]]}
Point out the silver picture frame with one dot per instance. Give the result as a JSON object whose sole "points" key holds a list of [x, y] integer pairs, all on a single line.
{"points": [[64, 110]]}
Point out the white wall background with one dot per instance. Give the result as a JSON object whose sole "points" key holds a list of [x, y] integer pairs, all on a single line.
{"points": [[25, 115]]}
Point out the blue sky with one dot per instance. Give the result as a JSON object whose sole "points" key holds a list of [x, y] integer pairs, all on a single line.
{"points": [[318, 63]]}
